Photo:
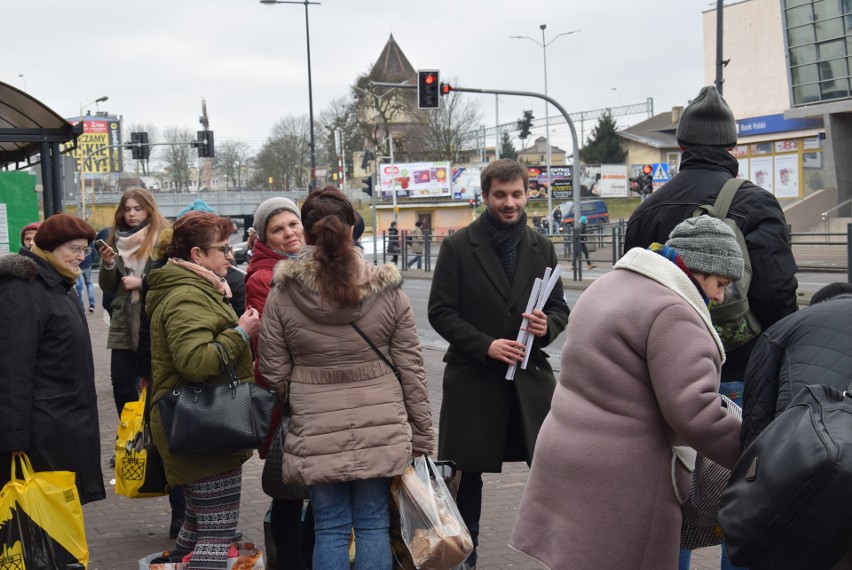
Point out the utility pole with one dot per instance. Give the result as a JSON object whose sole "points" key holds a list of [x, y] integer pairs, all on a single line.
{"points": [[720, 64]]}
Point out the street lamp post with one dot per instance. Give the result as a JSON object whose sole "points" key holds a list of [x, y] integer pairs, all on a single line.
{"points": [[574, 175], [313, 181], [83, 159]]}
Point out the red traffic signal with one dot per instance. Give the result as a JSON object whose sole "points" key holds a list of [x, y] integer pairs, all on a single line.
{"points": [[647, 169], [428, 96], [446, 88]]}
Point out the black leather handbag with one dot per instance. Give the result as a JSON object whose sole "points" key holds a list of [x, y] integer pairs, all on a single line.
{"points": [[272, 478], [786, 506], [213, 418]]}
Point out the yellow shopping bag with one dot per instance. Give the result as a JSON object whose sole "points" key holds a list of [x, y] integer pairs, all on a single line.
{"points": [[139, 469], [41, 520]]}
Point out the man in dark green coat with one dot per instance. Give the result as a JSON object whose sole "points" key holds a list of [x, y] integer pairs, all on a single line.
{"points": [[482, 283]]}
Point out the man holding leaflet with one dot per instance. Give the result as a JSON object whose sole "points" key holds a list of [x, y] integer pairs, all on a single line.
{"points": [[480, 290]]}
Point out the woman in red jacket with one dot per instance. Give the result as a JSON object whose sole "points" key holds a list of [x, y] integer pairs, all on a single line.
{"points": [[279, 236]]}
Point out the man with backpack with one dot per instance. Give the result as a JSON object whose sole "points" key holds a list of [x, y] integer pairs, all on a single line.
{"points": [[706, 132], [767, 293]]}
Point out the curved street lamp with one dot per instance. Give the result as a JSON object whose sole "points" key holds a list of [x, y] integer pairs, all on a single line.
{"points": [[313, 181], [575, 176]]}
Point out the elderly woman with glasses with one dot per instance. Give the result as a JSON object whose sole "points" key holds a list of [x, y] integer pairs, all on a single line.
{"points": [[48, 405], [194, 332]]}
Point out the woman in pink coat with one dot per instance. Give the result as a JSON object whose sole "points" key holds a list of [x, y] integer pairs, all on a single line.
{"points": [[640, 378]]}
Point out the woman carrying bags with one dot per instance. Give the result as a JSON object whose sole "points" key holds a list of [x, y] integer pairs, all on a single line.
{"points": [[193, 331], [138, 231], [354, 425], [279, 237]]}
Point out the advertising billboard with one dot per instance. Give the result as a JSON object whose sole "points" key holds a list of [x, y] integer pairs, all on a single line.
{"points": [[93, 153], [415, 179]]}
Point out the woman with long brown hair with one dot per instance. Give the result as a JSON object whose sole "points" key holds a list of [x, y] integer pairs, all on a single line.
{"points": [[138, 232], [353, 425]]}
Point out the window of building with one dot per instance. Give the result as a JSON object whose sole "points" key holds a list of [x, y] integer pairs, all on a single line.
{"points": [[819, 46]]}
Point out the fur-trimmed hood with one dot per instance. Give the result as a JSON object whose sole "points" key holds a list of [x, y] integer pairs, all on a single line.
{"points": [[19, 266], [299, 278]]}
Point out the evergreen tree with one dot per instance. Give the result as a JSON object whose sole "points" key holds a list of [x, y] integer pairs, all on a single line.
{"points": [[604, 146], [507, 148]]}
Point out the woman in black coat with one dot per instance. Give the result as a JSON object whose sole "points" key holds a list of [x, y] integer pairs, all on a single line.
{"points": [[393, 242], [48, 405]]}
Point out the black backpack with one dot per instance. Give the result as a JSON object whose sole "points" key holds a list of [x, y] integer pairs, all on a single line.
{"points": [[734, 321]]}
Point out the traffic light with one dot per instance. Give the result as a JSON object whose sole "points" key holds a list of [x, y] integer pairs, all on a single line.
{"points": [[472, 203], [204, 142], [647, 180], [139, 148], [477, 199], [367, 185], [446, 88], [525, 124], [428, 89]]}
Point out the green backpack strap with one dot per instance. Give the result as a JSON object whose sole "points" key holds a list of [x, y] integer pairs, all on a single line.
{"points": [[719, 209]]}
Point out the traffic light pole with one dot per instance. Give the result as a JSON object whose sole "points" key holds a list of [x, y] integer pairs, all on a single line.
{"points": [[575, 145]]}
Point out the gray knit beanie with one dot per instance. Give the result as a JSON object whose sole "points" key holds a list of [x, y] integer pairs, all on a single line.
{"points": [[707, 245], [707, 120], [269, 207]]}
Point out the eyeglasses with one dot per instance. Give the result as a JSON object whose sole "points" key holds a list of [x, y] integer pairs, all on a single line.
{"points": [[78, 249], [225, 249]]}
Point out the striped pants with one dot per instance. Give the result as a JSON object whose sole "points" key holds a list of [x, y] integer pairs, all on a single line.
{"points": [[212, 512]]}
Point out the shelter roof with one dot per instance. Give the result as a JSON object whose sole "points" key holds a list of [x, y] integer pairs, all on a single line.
{"points": [[26, 123]]}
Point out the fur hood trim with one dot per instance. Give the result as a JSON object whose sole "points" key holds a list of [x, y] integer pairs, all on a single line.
{"points": [[297, 279], [18, 266]]}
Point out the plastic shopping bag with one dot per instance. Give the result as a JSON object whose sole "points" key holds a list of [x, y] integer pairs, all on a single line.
{"points": [[431, 525], [41, 520], [139, 468]]}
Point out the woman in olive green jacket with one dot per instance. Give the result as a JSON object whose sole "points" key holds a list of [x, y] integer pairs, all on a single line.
{"points": [[193, 331]]}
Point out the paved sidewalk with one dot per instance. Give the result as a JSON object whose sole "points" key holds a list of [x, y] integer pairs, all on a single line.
{"points": [[122, 530]]}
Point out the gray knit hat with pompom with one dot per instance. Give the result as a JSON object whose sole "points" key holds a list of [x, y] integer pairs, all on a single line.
{"points": [[707, 245]]}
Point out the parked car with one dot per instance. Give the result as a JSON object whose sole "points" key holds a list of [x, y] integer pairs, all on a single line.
{"points": [[240, 252], [595, 211]]}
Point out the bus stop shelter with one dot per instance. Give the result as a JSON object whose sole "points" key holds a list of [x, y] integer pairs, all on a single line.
{"points": [[31, 134]]}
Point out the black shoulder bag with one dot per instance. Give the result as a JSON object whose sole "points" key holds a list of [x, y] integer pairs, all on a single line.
{"points": [[396, 371]]}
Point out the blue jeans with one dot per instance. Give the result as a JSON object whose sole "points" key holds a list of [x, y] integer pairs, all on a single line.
{"points": [[86, 278], [418, 259], [734, 391], [340, 507]]}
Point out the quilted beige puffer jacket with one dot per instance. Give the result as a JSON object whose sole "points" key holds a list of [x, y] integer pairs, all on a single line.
{"points": [[351, 418]]}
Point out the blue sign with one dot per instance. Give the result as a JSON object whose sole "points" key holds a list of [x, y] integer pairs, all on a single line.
{"points": [[660, 173], [774, 124]]}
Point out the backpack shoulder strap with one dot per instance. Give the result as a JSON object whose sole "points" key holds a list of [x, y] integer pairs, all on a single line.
{"points": [[726, 196]]}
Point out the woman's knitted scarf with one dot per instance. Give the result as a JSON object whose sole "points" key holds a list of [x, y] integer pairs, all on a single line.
{"points": [[218, 283], [505, 240], [129, 244], [672, 256]]}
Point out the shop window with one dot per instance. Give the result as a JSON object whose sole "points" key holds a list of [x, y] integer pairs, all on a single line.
{"points": [[804, 94], [761, 148]]}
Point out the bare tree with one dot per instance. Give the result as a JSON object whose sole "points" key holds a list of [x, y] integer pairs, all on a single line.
{"points": [[285, 156], [178, 156], [452, 127], [232, 156], [341, 114], [379, 109]]}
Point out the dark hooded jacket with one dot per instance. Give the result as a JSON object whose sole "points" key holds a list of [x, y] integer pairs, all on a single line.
{"points": [[814, 346], [48, 404], [703, 172]]}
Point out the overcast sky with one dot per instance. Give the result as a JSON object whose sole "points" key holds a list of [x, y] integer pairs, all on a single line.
{"points": [[155, 59]]}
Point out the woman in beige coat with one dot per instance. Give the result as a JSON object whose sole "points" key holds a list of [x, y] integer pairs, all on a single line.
{"points": [[354, 425], [640, 376]]}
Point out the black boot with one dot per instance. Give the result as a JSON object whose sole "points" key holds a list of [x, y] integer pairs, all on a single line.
{"points": [[176, 524]]}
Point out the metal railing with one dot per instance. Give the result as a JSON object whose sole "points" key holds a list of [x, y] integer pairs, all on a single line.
{"points": [[818, 252]]}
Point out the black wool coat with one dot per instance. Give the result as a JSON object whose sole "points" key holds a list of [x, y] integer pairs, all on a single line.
{"points": [[48, 405], [703, 172], [486, 419]]}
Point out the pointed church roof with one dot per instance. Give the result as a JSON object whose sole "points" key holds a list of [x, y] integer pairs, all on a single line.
{"points": [[392, 63]]}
